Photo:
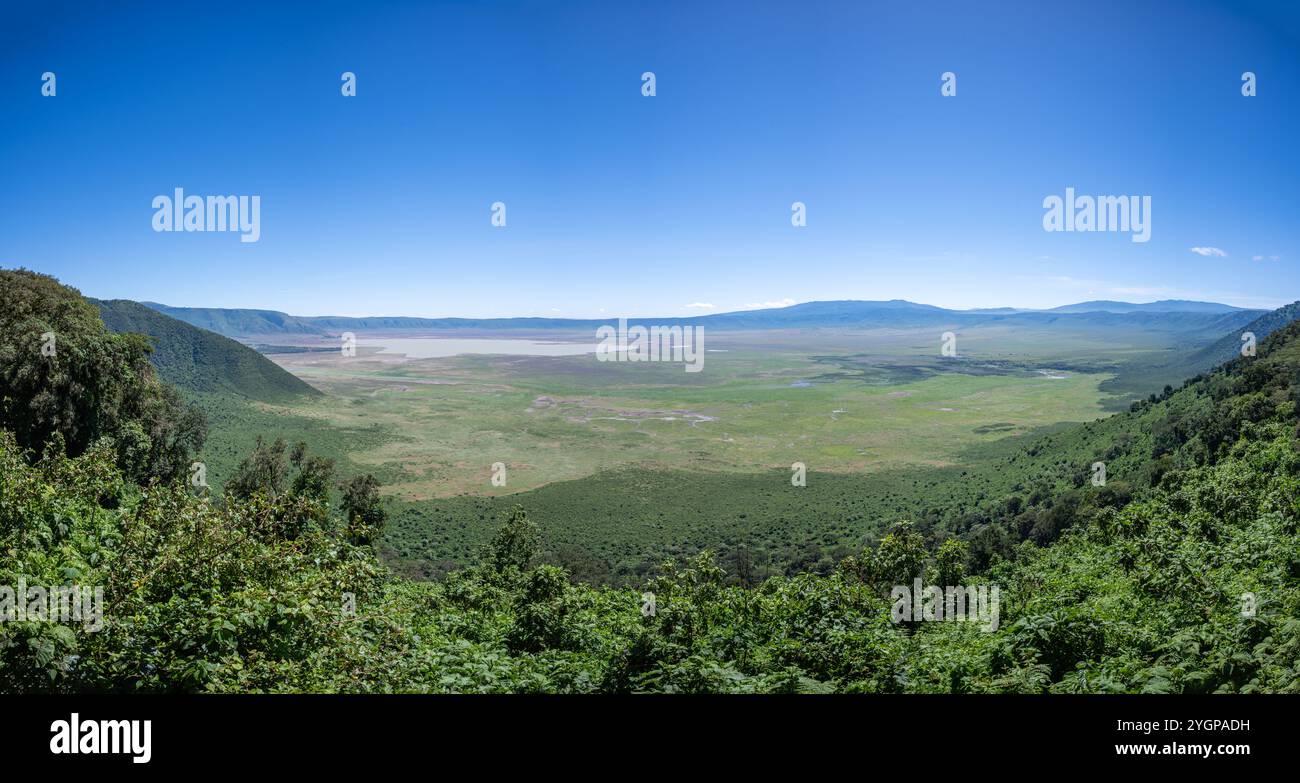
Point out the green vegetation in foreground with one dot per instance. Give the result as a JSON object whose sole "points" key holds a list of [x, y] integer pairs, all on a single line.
{"points": [[66, 382], [1135, 587]]}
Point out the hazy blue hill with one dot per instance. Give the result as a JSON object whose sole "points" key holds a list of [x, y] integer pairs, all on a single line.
{"points": [[1228, 347], [1143, 380], [242, 323], [234, 322], [199, 360], [1163, 306], [335, 324], [1193, 328]]}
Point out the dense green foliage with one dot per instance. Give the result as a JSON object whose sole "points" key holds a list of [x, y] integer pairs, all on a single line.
{"points": [[197, 360], [66, 382], [363, 509], [616, 527], [1134, 586]]}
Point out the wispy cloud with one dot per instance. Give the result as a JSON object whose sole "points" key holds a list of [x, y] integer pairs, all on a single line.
{"points": [[786, 302], [701, 306], [1208, 251], [1264, 258]]}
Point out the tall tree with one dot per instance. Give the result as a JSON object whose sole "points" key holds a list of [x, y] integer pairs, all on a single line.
{"points": [[363, 508], [64, 378]]}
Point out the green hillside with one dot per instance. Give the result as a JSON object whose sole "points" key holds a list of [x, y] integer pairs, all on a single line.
{"points": [[198, 360], [238, 322], [1229, 346], [1139, 379]]}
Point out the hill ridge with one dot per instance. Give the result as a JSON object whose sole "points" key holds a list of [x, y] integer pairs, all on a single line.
{"points": [[199, 360]]}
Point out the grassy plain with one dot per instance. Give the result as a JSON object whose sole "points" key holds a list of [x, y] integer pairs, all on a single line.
{"points": [[753, 408], [626, 463]]}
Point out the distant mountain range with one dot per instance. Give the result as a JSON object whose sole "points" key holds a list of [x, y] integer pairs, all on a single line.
{"points": [[1162, 306], [1175, 314]]}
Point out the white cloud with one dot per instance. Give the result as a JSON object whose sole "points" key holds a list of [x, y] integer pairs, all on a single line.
{"points": [[701, 305], [1208, 251], [786, 302], [1264, 258]]}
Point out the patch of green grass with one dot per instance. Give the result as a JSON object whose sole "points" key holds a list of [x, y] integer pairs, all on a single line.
{"points": [[562, 418], [234, 425]]}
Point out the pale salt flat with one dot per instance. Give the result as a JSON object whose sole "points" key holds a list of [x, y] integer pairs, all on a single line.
{"points": [[440, 347]]}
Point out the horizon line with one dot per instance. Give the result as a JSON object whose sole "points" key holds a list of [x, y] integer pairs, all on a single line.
{"points": [[1010, 309]]}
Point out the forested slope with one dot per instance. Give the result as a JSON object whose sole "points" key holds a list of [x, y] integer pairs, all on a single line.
{"points": [[1139, 379], [198, 360]]}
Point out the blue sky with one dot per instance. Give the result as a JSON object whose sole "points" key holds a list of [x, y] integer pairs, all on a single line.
{"points": [[619, 204]]}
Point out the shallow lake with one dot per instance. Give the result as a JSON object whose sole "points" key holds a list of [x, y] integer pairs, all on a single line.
{"points": [[438, 347]]}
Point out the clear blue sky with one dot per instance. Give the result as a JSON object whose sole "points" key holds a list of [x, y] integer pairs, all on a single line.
{"points": [[618, 204]]}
